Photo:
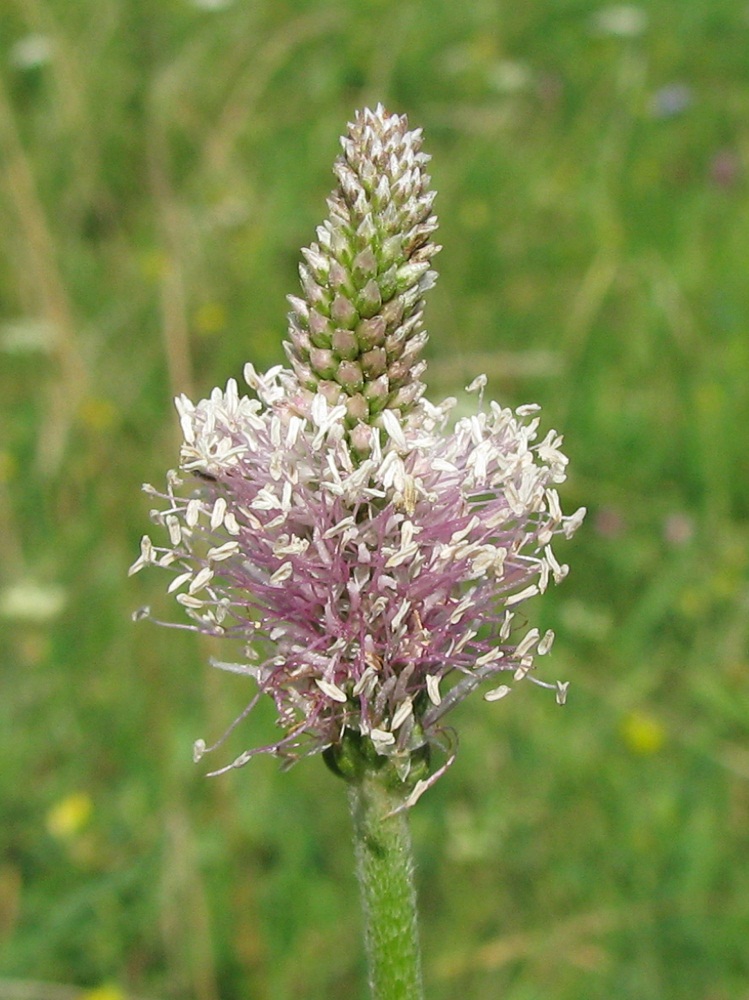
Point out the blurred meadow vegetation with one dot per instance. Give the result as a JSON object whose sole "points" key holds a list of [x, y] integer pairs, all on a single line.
{"points": [[162, 164]]}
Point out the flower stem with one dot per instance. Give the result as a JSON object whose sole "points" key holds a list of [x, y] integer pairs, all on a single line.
{"points": [[384, 867]]}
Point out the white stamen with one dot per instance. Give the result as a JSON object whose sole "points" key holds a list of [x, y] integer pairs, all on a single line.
{"points": [[527, 642], [338, 528], [522, 595], [192, 513], [174, 529], [506, 628], [203, 577], [282, 573], [225, 551], [188, 601], [489, 657], [546, 643], [217, 515], [433, 689], [292, 433], [400, 615], [401, 714], [394, 429], [381, 738], [572, 523], [331, 690], [558, 572], [552, 500], [497, 693], [231, 524], [178, 581], [365, 681], [526, 664], [478, 384]]}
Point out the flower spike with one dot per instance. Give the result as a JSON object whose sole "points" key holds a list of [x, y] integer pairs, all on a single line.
{"points": [[370, 558], [356, 334]]}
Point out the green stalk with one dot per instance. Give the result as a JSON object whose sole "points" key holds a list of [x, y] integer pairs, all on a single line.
{"points": [[384, 867]]}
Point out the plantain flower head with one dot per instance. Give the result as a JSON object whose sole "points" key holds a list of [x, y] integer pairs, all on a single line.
{"points": [[356, 335], [370, 556]]}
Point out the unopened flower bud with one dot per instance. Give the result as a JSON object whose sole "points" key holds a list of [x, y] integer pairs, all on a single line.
{"points": [[374, 362], [323, 362], [320, 329], [363, 282], [365, 265], [318, 263], [341, 279], [357, 408], [361, 438], [377, 393], [345, 344], [343, 312], [371, 332], [370, 299], [350, 376]]}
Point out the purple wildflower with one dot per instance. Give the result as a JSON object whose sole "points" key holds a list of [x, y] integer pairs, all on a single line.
{"points": [[672, 100], [370, 559]]}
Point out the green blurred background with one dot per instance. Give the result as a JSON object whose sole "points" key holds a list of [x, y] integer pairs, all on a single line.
{"points": [[162, 164]]}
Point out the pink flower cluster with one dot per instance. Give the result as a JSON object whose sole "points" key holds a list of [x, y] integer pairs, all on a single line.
{"points": [[370, 559], [372, 595]]}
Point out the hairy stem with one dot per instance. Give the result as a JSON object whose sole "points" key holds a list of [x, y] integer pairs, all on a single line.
{"points": [[384, 867]]}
